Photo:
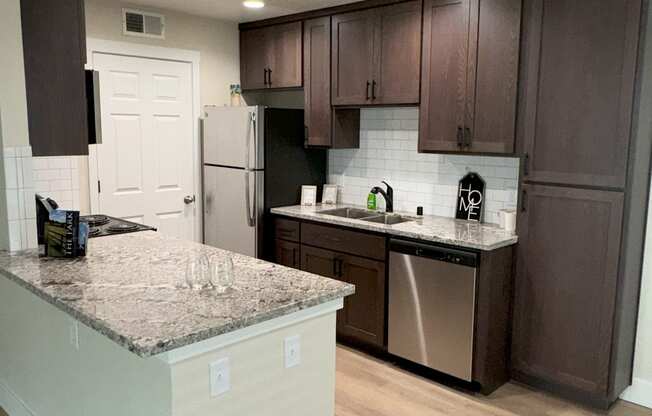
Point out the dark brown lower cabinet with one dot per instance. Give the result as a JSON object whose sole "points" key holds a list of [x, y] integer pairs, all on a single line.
{"points": [[363, 316], [362, 320], [288, 253], [318, 261], [566, 291], [360, 258]]}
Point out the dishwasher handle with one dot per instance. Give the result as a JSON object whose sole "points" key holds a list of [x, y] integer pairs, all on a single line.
{"points": [[433, 252]]}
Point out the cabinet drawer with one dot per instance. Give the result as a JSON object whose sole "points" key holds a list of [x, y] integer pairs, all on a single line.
{"points": [[287, 229], [348, 241]]}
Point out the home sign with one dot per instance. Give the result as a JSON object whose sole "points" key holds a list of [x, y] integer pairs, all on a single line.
{"points": [[470, 197]]}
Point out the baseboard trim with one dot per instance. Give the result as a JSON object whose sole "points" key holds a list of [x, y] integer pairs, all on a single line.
{"points": [[640, 392], [11, 403]]}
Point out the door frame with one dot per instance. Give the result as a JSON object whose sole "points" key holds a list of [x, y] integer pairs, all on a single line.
{"points": [[137, 50]]}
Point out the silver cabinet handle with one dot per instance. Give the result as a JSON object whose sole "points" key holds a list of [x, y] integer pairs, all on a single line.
{"points": [[188, 199]]}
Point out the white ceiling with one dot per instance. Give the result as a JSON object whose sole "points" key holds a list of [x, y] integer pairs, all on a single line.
{"points": [[233, 10]]}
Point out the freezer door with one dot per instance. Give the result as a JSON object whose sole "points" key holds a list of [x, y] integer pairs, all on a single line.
{"points": [[232, 218], [233, 136]]}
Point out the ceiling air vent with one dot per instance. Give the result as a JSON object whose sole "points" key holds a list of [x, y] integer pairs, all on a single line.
{"points": [[146, 24]]}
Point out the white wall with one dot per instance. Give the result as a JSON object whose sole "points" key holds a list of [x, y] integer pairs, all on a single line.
{"points": [[388, 151], [216, 40], [641, 390], [218, 44]]}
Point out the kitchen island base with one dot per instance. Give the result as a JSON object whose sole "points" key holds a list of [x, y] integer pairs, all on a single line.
{"points": [[51, 365]]}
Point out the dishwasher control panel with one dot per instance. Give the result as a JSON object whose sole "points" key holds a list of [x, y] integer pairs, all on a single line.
{"points": [[433, 252]]}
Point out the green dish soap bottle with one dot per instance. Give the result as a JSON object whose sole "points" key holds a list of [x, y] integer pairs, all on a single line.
{"points": [[371, 201]]}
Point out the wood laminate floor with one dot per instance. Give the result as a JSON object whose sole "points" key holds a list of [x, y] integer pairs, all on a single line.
{"points": [[369, 387]]}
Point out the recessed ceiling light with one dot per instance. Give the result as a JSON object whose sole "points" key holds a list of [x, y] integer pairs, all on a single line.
{"points": [[254, 4]]}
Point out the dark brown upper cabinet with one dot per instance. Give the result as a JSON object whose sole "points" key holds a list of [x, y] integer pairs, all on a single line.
{"points": [[353, 55], [54, 47], [317, 81], [376, 55], [271, 57], [566, 290], [255, 58], [578, 79], [398, 54], [469, 76]]}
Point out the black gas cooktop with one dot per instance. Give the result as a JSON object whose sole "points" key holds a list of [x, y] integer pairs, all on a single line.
{"points": [[103, 225]]}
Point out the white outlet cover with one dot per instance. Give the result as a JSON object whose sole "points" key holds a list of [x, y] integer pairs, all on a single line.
{"points": [[220, 377], [292, 351]]}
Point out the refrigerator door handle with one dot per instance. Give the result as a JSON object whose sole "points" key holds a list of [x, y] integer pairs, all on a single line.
{"points": [[251, 215], [252, 127]]}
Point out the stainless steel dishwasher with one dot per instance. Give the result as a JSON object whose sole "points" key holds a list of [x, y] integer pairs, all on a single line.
{"points": [[432, 306]]}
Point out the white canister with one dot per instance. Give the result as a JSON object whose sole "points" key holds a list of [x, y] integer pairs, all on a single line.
{"points": [[507, 219]]}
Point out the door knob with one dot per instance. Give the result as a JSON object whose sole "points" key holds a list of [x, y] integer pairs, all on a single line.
{"points": [[188, 199]]}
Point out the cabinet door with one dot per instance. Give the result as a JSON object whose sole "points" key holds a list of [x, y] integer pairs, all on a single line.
{"points": [[579, 69], [317, 81], [444, 75], [318, 261], [352, 57], [54, 46], [288, 254], [493, 80], [286, 70], [255, 58], [398, 54], [569, 242], [363, 316]]}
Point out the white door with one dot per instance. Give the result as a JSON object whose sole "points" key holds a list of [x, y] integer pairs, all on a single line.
{"points": [[145, 162]]}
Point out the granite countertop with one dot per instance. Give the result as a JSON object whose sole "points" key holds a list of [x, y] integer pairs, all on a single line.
{"points": [[430, 228], [127, 288]]}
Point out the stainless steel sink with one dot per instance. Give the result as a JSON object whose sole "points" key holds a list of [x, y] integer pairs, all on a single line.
{"points": [[368, 216], [355, 213], [388, 219]]}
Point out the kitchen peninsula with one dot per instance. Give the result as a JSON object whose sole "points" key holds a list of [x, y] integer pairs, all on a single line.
{"points": [[113, 333]]}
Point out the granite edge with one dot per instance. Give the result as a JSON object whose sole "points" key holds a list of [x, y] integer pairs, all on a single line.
{"points": [[149, 351], [380, 229]]}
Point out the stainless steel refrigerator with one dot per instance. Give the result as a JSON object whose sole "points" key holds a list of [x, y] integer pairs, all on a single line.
{"points": [[254, 159]]}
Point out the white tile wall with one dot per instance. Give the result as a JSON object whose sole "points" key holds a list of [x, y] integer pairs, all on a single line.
{"points": [[388, 151], [18, 187], [58, 178]]}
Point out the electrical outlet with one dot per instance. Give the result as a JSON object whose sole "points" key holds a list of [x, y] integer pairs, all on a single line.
{"points": [[73, 329], [220, 377], [292, 351]]}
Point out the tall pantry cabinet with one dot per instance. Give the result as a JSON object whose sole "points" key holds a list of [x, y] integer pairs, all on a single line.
{"points": [[578, 265]]}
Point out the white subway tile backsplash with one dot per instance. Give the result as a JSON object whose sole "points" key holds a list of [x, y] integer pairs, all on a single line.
{"points": [[11, 174], [388, 151], [58, 178], [18, 213]]}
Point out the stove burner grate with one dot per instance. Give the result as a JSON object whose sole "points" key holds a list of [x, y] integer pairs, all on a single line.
{"points": [[121, 228], [96, 220]]}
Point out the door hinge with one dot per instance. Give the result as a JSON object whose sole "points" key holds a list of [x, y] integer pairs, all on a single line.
{"points": [[526, 164], [99, 187]]}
